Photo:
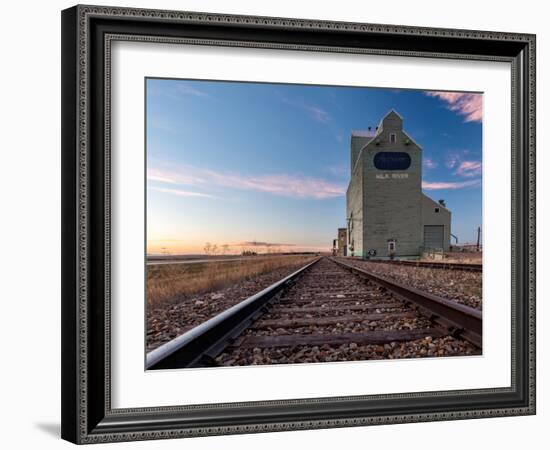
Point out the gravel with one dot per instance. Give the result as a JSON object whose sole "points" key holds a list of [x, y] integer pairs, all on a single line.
{"points": [[458, 285], [328, 312], [422, 348], [412, 323]]}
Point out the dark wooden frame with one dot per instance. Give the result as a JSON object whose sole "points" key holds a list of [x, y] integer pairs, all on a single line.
{"points": [[87, 32]]}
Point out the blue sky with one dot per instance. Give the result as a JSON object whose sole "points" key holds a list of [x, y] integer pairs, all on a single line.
{"points": [[231, 163]]}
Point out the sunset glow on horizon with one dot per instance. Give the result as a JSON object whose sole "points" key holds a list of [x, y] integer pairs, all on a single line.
{"points": [[181, 247]]}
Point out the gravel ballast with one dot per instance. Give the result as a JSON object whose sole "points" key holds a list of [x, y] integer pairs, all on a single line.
{"points": [[458, 285]]}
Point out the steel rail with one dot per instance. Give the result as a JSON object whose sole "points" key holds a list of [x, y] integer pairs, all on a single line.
{"points": [[200, 345], [431, 265], [459, 320]]}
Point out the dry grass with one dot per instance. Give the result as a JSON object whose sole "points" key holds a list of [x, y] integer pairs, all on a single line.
{"points": [[169, 283], [464, 258], [458, 257]]}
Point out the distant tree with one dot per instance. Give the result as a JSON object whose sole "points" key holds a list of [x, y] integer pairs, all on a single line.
{"points": [[207, 248], [225, 248], [214, 249]]}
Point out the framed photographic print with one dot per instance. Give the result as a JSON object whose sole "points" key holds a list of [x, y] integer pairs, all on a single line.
{"points": [[281, 224]]}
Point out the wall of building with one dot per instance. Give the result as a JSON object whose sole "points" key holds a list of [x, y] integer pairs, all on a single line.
{"points": [[358, 141], [342, 242], [392, 198], [443, 217], [355, 208]]}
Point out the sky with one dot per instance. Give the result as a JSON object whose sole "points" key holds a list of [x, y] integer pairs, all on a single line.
{"points": [[232, 163]]}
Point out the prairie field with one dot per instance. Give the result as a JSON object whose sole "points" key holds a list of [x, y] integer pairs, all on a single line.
{"points": [[169, 283]]}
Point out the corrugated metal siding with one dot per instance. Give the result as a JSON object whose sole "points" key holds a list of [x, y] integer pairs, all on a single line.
{"points": [[433, 236], [443, 218]]}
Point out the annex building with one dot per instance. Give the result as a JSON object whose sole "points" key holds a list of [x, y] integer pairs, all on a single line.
{"points": [[388, 215]]}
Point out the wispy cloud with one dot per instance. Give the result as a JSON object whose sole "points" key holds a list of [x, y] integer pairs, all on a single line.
{"points": [[175, 91], [468, 105], [315, 112], [153, 175], [187, 175], [452, 159], [437, 185], [186, 89], [429, 163], [469, 169], [182, 193], [463, 167], [284, 185], [318, 114]]}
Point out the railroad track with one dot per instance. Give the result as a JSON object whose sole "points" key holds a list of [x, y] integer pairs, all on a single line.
{"points": [[327, 304], [431, 265]]}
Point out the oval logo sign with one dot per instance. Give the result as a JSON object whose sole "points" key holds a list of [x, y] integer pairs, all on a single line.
{"points": [[392, 161]]}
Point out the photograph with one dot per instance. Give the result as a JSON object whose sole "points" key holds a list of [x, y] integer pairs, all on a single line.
{"points": [[294, 223]]}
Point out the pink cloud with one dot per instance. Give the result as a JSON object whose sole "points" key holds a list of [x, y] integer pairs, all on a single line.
{"points": [[429, 163], [469, 169], [452, 160], [171, 177], [292, 186], [153, 176], [436, 185], [182, 193], [468, 105], [285, 185]]}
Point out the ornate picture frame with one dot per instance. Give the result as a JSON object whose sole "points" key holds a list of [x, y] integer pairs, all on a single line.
{"points": [[88, 33]]}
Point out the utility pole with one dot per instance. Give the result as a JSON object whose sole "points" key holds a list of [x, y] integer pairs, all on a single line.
{"points": [[478, 237]]}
